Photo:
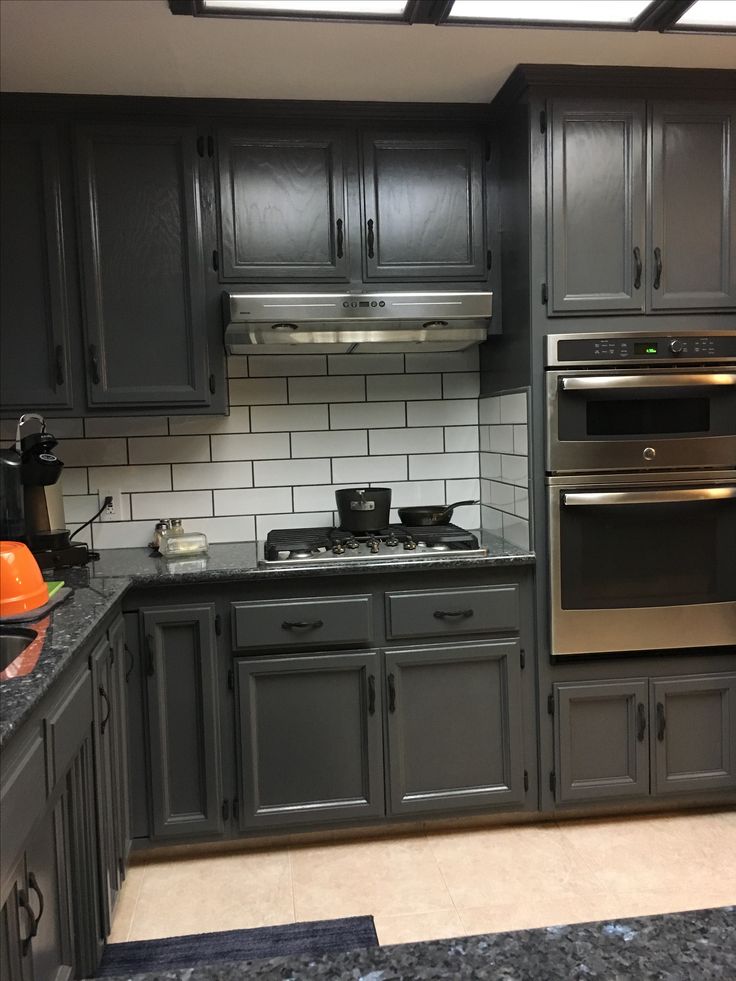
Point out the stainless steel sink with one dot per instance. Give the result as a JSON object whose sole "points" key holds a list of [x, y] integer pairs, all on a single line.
{"points": [[13, 641]]}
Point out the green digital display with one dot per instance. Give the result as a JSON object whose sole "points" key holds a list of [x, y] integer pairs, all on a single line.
{"points": [[650, 348]]}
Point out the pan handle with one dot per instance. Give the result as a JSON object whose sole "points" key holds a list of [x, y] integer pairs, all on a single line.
{"points": [[459, 504]]}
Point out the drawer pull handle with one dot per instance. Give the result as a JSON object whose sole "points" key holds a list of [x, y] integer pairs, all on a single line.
{"points": [[657, 268], [452, 614], [33, 884], [302, 624], [371, 694], [33, 924], [641, 727], [391, 693], [661, 722], [106, 700]]}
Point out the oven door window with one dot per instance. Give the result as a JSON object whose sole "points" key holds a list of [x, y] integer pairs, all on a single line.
{"points": [[626, 556]]}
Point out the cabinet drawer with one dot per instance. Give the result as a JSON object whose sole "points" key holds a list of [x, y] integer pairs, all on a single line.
{"points": [[68, 724], [288, 625], [448, 612]]}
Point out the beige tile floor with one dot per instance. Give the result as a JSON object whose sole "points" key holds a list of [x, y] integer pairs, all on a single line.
{"points": [[442, 884]]}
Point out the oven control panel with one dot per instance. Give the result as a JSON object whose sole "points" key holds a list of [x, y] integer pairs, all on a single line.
{"points": [[640, 348]]}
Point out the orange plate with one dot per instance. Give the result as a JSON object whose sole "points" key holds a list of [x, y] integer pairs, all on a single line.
{"points": [[22, 587]]}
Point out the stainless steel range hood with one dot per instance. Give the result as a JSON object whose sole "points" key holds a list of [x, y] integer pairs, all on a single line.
{"points": [[269, 323]]}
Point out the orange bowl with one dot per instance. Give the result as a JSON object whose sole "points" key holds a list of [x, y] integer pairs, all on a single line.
{"points": [[22, 587]]}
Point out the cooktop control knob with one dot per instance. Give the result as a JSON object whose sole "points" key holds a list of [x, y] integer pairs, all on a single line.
{"points": [[351, 543], [338, 548], [374, 545], [676, 346], [392, 541], [410, 544]]}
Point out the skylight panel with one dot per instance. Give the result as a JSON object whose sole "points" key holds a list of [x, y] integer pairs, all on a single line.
{"points": [[709, 13], [364, 8], [623, 12]]}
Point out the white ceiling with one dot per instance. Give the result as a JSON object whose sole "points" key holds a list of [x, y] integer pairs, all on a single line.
{"points": [[137, 47]]}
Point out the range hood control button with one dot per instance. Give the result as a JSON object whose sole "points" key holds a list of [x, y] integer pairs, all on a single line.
{"points": [[649, 453]]}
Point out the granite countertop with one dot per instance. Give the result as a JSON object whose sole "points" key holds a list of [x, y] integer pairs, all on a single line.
{"points": [[239, 561], [675, 947]]}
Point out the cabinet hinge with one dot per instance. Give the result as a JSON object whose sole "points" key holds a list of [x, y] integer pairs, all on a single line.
{"points": [[488, 150], [213, 385], [544, 293], [543, 121], [551, 704], [218, 624], [236, 809], [210, 146], [225, 810], [489, 259], [526, 780], [522, 658], [230, 680], [215, 260], [553, 782], [200, 145]]}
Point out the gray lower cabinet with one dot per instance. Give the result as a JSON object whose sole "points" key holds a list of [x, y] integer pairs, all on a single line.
{"points": [[309, 738], [183, 720], [455, 735], [16, 923]]}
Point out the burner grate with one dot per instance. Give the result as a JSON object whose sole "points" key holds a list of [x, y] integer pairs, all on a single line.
{"points": [[302, 542]]}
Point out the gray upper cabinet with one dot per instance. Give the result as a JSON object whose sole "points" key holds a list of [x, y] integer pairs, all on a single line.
{"points": [[142, 266], [35, 356], [601, 744], [692, 247], [596, 205], [423, 210], [454, 727], [310, 739], [693, 733], [283, 205], [183, 720]]}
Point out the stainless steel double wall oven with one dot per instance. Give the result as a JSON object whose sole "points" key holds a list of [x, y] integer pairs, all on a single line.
{"points": [[641, 489]]}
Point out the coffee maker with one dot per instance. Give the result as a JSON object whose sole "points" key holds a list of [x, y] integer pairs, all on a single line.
{"points": [[39, 522]]}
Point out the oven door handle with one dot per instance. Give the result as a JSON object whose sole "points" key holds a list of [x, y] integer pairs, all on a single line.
{"points": [[682, 496], [593, 382]]}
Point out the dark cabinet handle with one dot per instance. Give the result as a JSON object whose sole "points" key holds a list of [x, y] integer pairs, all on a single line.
{"points": [[33, 883], [661, 722], [637, 266], [302, 624], [340, 242], [33, 927], [371, 239], [103, 696], [371, 694], [391, 693], [94, 367], [131, 662], [59, 353], [641, 725], [150, 652], [452, 614], [657, 268]]}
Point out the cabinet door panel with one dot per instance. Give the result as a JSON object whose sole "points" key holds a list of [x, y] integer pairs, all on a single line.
{"points": [[141, 243], [283, 209], [15, 924], [597, 205], [454, 727], [694, 733], [47, 891], [35, 360], [601, 749], [693, 206], [423, 207], [121, 663], [104, 779], [310, 739], [183, 714]]}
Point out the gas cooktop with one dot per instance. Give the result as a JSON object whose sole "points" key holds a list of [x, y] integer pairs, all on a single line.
{"points": [[397, 543]]}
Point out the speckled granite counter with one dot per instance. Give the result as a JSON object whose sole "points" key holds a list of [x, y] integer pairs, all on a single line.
{"points": [[693, 946], [239, 561], [63, 631]]}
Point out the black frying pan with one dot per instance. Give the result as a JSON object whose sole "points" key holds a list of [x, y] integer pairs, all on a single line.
{"points": [[430, 514]]}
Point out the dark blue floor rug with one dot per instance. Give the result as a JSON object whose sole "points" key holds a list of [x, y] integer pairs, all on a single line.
{"points": [[172, 953]]}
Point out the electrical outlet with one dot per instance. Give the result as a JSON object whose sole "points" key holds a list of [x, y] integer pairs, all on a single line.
{"points": [[113, 512]]}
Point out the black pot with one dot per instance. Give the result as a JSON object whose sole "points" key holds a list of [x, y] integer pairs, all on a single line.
{"points": [[364, 508], [437, 514]]}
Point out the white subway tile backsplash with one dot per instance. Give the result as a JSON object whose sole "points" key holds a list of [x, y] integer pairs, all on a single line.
{"points": [[490, 465], [174, 504], [520, 440], [347, 442], [516, 530], [287, 365], [513, 407], [309, 519], [256, 446], [414, 493], [240, 528], [80, 508], [338, 388], [74, 480], [502, 439], [502, 496], [460, 439], [290, 418], [151, 478], [91, 452], [515, 470], [237, 422], [521, 501], [167, 449], [484, 438], [365, 364], [428, 440], [127, 426], [384, 388], [461, 385], [443, 465], [282, 472], [467, 360], [505, 473], [320, 497], [454, 412], [237, 366], [371, 415], [257, 391], [491, 520], [205, 476], [489, 410], [357, 471], [254, 501], [123, 534]]}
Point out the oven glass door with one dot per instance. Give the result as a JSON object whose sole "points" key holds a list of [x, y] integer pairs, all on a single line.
{"points": [[605, 421], [644, 568]]}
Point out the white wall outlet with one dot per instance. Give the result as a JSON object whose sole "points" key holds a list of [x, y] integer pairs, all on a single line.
{"points": [[114, 511]]}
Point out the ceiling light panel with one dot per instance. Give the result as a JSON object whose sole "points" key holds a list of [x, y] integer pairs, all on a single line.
{"points": [[557, 12], [364, 8], [709, 13]]}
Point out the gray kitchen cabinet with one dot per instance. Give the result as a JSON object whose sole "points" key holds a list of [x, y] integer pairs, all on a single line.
{"points": [[183, 720], [283, 205], [601, 745], [16, 922], [309, 738], [141, 244], [35, 354], [423, 206], [455, 735], [597, 205], [693, 733], [692, 246], [121, 663]]}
